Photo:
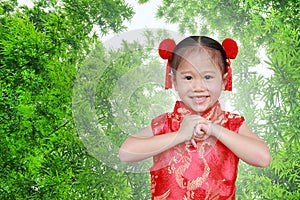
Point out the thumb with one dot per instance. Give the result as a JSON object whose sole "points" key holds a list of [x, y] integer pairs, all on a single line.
{"points": [[207, 128]]}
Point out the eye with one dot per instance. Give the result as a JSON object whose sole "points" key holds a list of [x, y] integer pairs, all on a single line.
{"points": [[208, 77], [188, 78]]}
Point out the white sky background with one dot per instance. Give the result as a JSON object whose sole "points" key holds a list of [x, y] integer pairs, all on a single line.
{"points": [[26, 2], [145, 16]]}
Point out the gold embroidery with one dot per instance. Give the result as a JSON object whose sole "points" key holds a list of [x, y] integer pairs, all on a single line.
{"points": [[189, 195], [163, 196], [212, 194], [231, 196], [153, 184], [184, 111], [193, 184], [171, 169]]}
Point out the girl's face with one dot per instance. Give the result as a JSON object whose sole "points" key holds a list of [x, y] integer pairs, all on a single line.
{"points": [[198, 81]]}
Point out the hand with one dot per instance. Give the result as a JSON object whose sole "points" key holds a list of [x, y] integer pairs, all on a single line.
{"points": [[186, 130], [194, 128], [204, 129], [207, 128], [199, 133]]}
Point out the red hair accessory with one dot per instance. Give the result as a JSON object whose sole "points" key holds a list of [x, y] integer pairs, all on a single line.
{"points": [[231, 49], [165, 51]]}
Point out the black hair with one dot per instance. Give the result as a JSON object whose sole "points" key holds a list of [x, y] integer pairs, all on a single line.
{"points": [[189, 44]]}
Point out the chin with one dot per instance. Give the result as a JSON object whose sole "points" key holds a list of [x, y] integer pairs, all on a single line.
{"points": [[199, 109]]}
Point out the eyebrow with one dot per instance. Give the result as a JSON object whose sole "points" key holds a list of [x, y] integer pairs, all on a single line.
{"points": [[186, 72], [191, 72]]}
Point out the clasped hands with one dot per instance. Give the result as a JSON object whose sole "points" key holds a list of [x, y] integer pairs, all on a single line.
{"points": [[195, 128]]}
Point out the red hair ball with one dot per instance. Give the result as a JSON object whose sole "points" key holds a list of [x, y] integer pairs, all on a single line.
{"points": [[230, 48], [166, 48]]}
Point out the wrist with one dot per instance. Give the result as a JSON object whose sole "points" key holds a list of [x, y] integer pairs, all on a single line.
{"points": [[177, 138], [216, 130]]}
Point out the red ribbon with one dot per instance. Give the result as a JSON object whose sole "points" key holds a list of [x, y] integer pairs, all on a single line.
{"points": [[228, 85], [231, 49], [165, 51]]}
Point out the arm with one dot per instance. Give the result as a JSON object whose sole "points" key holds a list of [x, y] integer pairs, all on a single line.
{"points": [[144, 144], [246, 145]]}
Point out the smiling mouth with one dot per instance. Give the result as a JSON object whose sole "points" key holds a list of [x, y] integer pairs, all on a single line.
{"points": [[200, 100]]}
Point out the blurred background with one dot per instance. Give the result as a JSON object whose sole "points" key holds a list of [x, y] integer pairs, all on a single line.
{"points": [[78, 76]]}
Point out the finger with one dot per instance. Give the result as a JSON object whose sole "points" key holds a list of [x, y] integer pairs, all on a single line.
{"points": [[198, 139], [206, 128], [187, 142], [194, 143], [203, 121], [199, 128]]}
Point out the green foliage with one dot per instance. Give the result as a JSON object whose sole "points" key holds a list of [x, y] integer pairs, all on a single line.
{"points": [[41, 155], [7, 6]]}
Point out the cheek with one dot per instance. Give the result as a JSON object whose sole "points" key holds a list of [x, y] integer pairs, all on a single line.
{"points": [[215, 87], [181, 87]]}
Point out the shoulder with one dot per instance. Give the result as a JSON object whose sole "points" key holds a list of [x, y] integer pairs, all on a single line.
{"points": [[159, 123], [233, 121], [169, 121], [166, 123]]}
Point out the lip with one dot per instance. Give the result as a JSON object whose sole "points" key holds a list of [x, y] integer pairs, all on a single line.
{"points": [[200, 99]]}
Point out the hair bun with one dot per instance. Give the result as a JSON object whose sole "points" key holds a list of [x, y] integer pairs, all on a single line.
{"points": [[166, 48], [230, 47]]}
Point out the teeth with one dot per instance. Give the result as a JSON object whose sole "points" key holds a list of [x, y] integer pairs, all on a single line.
{"points": [[199, 98]]}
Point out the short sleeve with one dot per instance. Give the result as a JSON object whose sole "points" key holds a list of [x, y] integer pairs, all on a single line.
{"points": [[159, 124], [234, 121]]}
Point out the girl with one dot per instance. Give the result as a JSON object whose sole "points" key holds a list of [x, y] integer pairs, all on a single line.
{"points": [[196, 148]]}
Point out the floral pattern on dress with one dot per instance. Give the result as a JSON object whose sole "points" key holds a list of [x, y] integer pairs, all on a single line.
{"points": [[185, 172]]}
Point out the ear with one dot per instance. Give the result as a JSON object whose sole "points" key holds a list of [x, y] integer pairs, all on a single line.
{"points": [[173, 79], [224, 82]]}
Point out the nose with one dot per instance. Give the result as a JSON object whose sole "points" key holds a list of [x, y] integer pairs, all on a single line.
{"points": [[199, 84]]}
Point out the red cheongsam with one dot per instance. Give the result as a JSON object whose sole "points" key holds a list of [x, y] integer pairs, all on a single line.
{"points": [[184, 172]]}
